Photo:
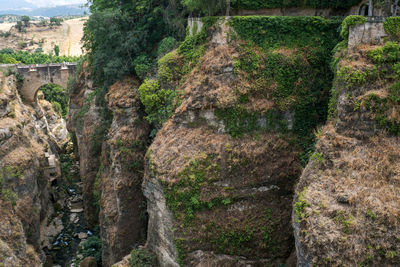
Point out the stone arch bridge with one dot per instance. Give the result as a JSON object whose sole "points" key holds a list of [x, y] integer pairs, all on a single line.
{"points": [[35, 76]]}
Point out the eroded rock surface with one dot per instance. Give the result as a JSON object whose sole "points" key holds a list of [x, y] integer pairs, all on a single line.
{"points": [[347, 206], [29, 176], [211, 195], [122, 206]]}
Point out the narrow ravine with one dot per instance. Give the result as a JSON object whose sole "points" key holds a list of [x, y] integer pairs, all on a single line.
{"points": [[70, 221]]}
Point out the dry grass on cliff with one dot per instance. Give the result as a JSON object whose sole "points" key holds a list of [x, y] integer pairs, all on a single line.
{"points": [[251, 171], [210, 84], [123, 93], [354, 195]]}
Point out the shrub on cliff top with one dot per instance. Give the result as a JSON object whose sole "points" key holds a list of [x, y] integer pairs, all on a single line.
{"points": [[350, 21], [270, 32], [392, 27], [166, 45], [158, 102], [389, 53], [259, 4]]}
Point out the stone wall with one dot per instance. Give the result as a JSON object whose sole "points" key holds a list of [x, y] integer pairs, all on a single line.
{"points": [[372, 32]]}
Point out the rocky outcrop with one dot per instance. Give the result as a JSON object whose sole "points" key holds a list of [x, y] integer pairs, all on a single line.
{"points": [[111, 170], [346, 212], [212, 199], [29, 177], [14, 249], [122, 206], [83, 121]]}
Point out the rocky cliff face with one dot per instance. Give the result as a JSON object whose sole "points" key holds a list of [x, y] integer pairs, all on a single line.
{"points": [[214, 199], [111, 170], [122, 204], [347, 206], [29, 176]]}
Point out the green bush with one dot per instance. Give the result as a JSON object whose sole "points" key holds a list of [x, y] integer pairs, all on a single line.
{"points": [[142, 258], [142, 66], [92, 248], [270, 32], [351, 21], [392, 27], [57, 96], [394, 90], [259, 4], [121, 37], [8, 195], [166, 45], [205, 7], [7, 59], [169, 68], [55, 21], [158, 102], [352, 77], [389, 53], [301, 205], [8, 56]]}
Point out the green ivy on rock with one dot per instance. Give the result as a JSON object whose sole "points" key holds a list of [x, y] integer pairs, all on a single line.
{"points": [[259, 4]]}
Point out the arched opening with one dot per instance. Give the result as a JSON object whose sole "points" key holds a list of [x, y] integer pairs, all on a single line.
{"points": [[364, 10], [56, 95]]}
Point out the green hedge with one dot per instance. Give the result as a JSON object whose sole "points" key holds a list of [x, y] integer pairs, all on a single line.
{"points": [[259, 4], [287, 31], [293, 69], [351, 21], [392, 27]]}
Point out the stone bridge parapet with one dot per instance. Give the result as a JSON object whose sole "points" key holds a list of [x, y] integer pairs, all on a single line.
{"points": [[37, 75]]}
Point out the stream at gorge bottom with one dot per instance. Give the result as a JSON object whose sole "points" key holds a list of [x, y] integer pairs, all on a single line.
{"points": [[70, 239]]}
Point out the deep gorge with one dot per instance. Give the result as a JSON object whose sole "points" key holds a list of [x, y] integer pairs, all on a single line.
{"points": [[253, 141]]}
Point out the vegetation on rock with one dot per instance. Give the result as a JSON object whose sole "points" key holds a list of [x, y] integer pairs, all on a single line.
{"points": [[259, 4], [57, 96], [9, 56]]}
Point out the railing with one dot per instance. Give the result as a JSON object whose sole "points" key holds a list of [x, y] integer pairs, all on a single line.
{"points": [[376, 19], [20, 66], [47, 65]]}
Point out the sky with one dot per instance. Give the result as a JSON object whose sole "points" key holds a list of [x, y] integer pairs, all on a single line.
{"points": [[50, 3], [22, 4]]}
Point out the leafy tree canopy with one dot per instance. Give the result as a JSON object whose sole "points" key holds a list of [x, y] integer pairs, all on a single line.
{"points": [[121, 37], [9, 56]]}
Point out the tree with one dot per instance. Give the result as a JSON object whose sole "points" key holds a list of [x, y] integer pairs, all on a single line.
{"points": [[19, 26], [121, 37], [57, 96], [55, 21], [206, 7], [25, 20], [56, 50]]}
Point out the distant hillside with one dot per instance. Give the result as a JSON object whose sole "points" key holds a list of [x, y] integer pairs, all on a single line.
{"points": [[70, 10]]}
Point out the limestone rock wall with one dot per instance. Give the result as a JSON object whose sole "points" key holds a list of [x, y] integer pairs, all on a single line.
{"points": [[28, 190], [122, 204], [212, 199], [346, 212], [111, 169]]}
